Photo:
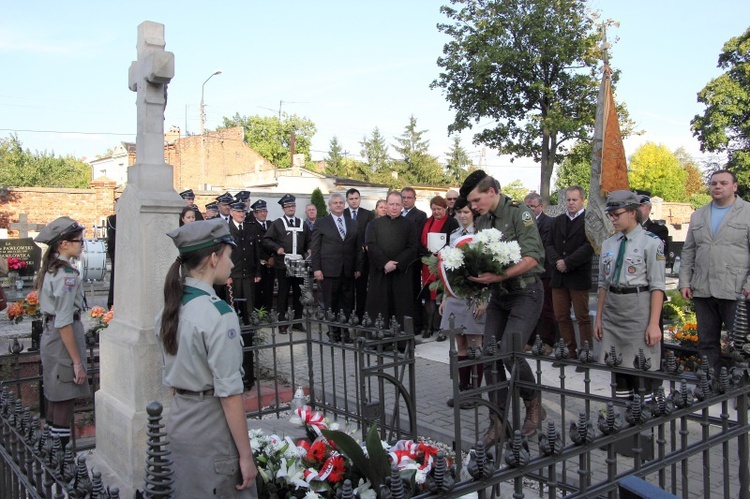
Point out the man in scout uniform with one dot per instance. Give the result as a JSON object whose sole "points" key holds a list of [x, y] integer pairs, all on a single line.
{"points": [[264, 289], [189, 197], [517, 296], [288, 235]]}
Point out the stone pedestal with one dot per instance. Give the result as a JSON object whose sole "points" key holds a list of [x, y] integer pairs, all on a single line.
{"points": [[131, 366]]}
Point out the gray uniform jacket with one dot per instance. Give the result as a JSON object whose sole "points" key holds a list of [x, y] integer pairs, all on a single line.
{"points": [[209, 345], [717, 265], [61, 295], [643, 263]]}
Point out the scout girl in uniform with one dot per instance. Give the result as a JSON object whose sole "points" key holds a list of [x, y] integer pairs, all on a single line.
{"points": [[199, 337], [63, 347], [631, 291]]}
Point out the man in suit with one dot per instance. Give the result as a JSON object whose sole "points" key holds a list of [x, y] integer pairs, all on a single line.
{"points": [[451, 197], [546, 326], [311, 214], [288, 235], [243, 278], [411, 212], [569, 252], [362, 217], [189, 197], [336, 254], [264, 289], [715, 267]]}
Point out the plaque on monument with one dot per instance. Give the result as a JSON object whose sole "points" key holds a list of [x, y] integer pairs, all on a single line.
{"points": [[26, 251]]}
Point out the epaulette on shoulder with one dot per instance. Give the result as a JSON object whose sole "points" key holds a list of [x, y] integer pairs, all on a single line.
{"points": [[70, 270], [651, 234], [223, 307]]}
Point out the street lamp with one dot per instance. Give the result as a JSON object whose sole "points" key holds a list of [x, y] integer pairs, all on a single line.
{"points": [[203, 129]]}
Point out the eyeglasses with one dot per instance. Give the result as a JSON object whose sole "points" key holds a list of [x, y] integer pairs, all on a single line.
{"points": [[451, 199], [533, 206], [614, 216]]}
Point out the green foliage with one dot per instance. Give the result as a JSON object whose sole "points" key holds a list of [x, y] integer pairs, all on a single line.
{"points": [[21, 168], [375, 152], [458, 161], [724, 126], [335, 158], [375, 467], [694, 184], [654, 168], [515, 190], [699, 199], [575, 168], [272, 137], [319, 201], [416, 166], [677, 309], [528, 66]]}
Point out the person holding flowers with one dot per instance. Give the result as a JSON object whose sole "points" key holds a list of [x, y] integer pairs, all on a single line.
{"points": [[468, 317], [200, 342], [631, 291], [62, 346], [516, 295]]}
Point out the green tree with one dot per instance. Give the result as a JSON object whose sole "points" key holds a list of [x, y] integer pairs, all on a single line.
{"points": [[335, 158], [458, 161], [319, 201], [416, 166], [21, 168], [695, 183], [515, 190], [528, 66], [724, 126], [654, 168], [575, 168], [272, 137], [375, 151]]}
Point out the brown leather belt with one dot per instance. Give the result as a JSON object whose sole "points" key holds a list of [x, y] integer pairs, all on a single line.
{"points": [[191, 393], [627, 291]]}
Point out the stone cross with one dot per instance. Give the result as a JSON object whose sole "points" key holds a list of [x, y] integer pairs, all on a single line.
{"points": [[149, 77], [24, 226]]}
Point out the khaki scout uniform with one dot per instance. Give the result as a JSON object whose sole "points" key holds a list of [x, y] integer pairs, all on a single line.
{"points": [[627, 304], [61, 301], [207, 366]]}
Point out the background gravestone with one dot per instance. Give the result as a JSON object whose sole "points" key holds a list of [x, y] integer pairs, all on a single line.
{"points": [[24, 249]]}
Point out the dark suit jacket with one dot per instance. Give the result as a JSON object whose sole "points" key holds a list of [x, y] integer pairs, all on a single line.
{"points": [[277, 236], [332, 255], [363, 218], [574, 248], [246, 255], [418, 217], [660, 231], [544, 223]]}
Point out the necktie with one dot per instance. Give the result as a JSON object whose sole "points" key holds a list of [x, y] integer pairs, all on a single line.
{"points": [[240, 227], [618, 263], [264, 225], [464, 232], [342, 230], [354, 215]]}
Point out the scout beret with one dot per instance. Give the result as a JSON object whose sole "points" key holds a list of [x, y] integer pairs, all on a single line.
{"points": [[239, 206], [201, 234], [471, 182], [188, 194], [287, 199], [225, 198], [622, 199], [242, 196], [212, 206], [58, 228], [259, 205]]}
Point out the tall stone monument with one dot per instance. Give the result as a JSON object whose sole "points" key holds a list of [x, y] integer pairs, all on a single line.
{"points": [[148, 208]]}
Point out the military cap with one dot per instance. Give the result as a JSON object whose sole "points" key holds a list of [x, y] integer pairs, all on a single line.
{"points": [[471, 182], [225, 198], [239, 206], [259, 205], [242, 196], [52, 232], [622, 199], [212, 206], [287, 199], [645, 199], [188, 194], [205, 234]]}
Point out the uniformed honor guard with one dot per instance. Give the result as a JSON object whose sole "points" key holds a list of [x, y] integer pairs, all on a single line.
{"points": [[517, 295], [264, 289], [189, 197], [631, 291], [288, 236], [63, 345], [199, 337], [212, 211], [244, 197], [225, 206]]}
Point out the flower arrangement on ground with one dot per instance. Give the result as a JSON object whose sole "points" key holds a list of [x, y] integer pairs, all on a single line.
{"points": [[102, 318], [472, 255], [685, 335], [318, 466], [28, 307]]}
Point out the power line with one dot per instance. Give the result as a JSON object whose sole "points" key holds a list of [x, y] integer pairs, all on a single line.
{"points": [[63, 133]]}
